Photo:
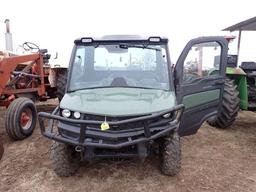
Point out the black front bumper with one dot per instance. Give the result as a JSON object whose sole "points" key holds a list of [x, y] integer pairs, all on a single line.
{"points": [[84, 133]]}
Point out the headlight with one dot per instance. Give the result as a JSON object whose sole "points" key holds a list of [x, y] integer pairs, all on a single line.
{"points": [[167, 115], [66, 113], [77, 115]]}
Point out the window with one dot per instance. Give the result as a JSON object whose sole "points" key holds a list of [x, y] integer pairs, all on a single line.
{"points": [[120, 65], [128, 59], [79, 61], [203, 60]]}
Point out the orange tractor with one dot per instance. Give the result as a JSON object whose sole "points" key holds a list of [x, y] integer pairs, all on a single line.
{"points": [[25, 79]]}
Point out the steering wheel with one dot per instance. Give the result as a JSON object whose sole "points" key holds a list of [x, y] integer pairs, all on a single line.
{"points": [[28, 46]]}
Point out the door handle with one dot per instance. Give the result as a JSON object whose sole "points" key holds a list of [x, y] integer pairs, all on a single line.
{"points": [[219, 82]]}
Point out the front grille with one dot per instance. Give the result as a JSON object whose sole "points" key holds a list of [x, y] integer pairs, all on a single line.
{"points": [[114, 119], [159, 121], [108, 118]]}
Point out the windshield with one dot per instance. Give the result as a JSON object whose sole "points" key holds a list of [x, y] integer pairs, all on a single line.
{"points": [[119, 65]]}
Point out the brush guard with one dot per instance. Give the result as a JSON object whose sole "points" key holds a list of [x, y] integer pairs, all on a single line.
{"points": [[81, 133]]}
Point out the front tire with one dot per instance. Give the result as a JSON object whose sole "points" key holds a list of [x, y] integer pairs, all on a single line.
{"points": [[170, 153], [61, 83], [65, 159], [20, 119], [230, 107]]}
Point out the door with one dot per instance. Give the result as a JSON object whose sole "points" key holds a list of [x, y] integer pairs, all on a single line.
{"points": [[199, 77]]}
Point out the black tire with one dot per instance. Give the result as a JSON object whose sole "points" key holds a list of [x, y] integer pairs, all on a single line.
{"points": [[61, 83], [170, 154], [251, 94], [20, 118], [1, 149], [230, 107], [65, 159]]}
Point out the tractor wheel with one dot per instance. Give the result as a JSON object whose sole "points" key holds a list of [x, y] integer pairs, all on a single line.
{"points": [[170, 153], [229, 109], [20, 119], [65, 159], [1, 149], [61, 83]]}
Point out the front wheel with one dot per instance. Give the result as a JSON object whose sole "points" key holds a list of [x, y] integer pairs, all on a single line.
{"points": [[170, 152], [65, 159], [20, 119]]}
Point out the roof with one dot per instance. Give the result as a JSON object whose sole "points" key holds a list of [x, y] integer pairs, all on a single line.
{"points": [[114, 38], [247, 25]]}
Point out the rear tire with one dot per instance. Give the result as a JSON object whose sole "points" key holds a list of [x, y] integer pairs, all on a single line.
{"points": [[1, 149], [65, 159], [170, 153], [61, 83], [20, 119], [230, 107]]}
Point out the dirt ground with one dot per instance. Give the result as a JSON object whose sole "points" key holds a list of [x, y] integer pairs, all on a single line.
{"points": [[212, 160]]}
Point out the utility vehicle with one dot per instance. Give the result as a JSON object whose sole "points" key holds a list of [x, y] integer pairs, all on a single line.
{"points": [[123, 96]]}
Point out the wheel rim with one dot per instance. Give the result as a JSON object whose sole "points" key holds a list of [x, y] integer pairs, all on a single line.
{"points": [[26, 119]]}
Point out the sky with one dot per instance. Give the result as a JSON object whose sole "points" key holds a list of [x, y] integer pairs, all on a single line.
{"points": [[55, 24]]}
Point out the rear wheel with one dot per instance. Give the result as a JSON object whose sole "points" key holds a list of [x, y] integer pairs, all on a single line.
{"points": [[20, 119], [230, 107], [251, 94], [1, 149], [170, 153], [61, 83], [65, 159]]}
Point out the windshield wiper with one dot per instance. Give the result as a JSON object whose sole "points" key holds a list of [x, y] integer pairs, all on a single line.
{"points": [[85, 88], [126, 46], [136, 87]]}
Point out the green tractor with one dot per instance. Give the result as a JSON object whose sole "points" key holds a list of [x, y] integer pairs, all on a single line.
{"points": [[240, 84], [123, 96]]}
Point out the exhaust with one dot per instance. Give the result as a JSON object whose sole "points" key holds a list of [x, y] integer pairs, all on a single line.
{"points": [[8, 36]]}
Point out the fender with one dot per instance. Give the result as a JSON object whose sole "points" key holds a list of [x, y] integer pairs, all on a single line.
{"points": [[240, 80]]}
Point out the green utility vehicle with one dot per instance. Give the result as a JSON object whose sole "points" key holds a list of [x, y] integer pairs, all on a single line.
{"points": [[240, 84], [123, 96]]}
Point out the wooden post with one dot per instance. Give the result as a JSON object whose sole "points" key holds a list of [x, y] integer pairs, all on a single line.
{"points": [[239, 43]]}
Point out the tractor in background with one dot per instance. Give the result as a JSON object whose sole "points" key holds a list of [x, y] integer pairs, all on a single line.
{"points": [[240, 83], [25, 79]]}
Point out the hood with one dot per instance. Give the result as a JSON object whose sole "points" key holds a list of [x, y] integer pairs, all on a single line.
{"points": [[118, 101]]}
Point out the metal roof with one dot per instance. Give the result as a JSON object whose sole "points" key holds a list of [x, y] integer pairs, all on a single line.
{"points": [[247, 25]]}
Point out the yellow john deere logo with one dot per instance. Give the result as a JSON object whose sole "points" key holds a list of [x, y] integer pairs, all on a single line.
{"points": [[104, 126]]}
